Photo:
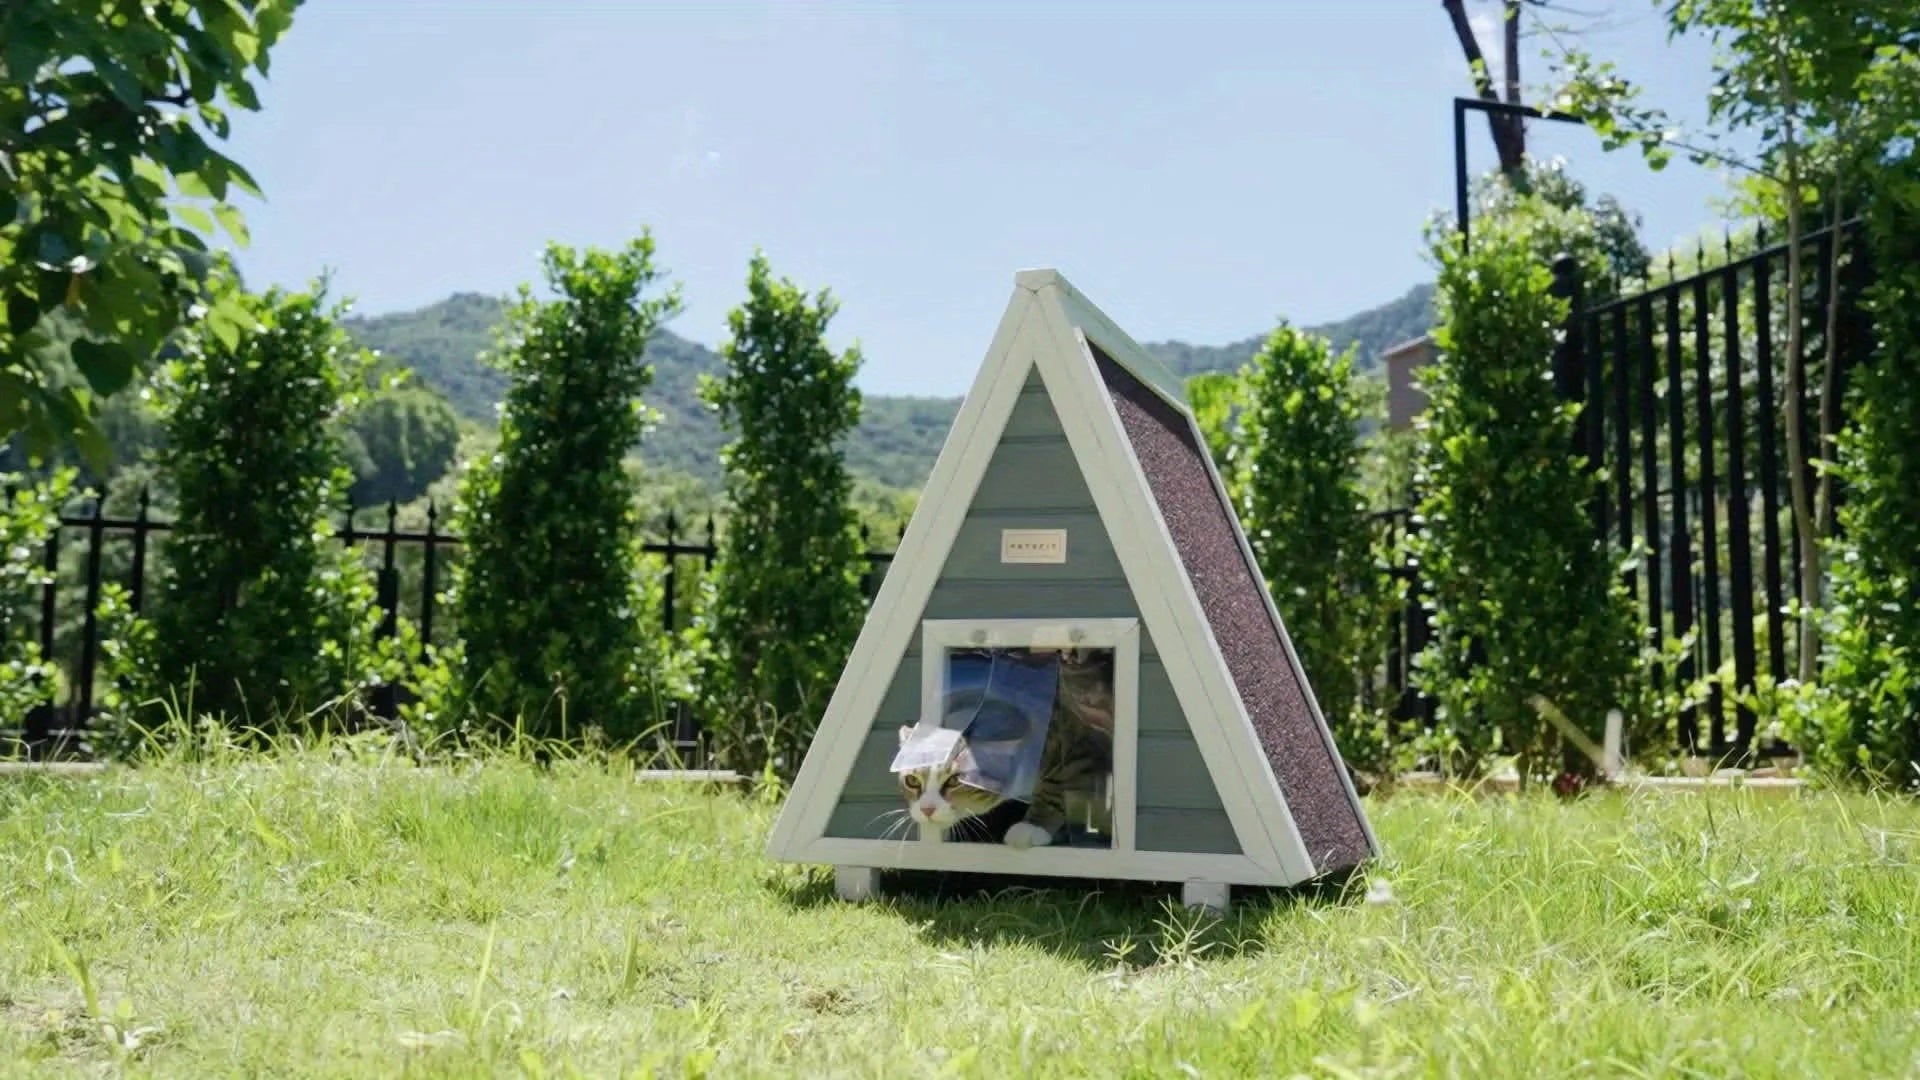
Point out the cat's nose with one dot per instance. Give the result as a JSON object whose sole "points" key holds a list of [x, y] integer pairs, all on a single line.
{"points": [[928, 808]]}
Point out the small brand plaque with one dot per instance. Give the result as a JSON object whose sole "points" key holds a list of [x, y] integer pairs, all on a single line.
{"points": [[1033, 545]]}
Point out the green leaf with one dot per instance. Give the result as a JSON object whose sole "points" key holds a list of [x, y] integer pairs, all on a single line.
{"points": [[126, 88], [92, 443], [242, 95], [15, 393], [233, 223], [195, 218], [224, 328], [22, 313], [239, 177], [192, 185], [107, 365]]}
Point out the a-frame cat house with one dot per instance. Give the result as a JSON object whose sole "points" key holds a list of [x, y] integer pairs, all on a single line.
{"points": [[1074, 504]]}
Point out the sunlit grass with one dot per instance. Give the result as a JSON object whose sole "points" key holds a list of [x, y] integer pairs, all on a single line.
{"points": [[338, 912]]}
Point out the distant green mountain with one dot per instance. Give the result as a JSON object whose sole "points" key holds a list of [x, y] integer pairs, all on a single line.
{"points": [[898, 437], [1374, 330]]}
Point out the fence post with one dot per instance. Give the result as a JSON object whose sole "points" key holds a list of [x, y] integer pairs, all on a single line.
{"points": [[673, 570], [89, 633], [1395, 659], [390, 575], [50, 562], [386, 696], [426, 575], [40, 719], [866, 562], [142, 524], [1573, 380]]}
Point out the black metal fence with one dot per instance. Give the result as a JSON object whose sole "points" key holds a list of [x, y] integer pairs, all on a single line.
{"points": [[1685, 391], [410, 573], [1391, 686]]}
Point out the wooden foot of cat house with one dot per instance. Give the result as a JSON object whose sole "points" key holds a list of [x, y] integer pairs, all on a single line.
{"points": [[1072, 667]]}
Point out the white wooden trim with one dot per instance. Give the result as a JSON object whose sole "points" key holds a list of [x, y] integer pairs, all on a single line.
{"points": [[1082, 314], [1124, 832], [981, 858], [1120, 635], [1213, 896], [903, 593], [1286, 639], [1217, 717], [856, 883]]}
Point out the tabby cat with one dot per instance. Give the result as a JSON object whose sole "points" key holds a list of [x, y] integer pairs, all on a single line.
{"points": [[1075, 763]]}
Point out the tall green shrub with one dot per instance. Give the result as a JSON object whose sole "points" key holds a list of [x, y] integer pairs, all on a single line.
{"points": [[29, 515], [1525, 599], [264, 612], [1298, 466], [1868, 726], [787, 603], [551, 592]]}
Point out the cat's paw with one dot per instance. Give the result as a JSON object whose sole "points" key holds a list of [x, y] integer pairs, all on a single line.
{"points": [[1025, 834]]}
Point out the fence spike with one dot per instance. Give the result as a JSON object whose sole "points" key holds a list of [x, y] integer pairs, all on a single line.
{"points": [[146, 502], [1760, 236], [673, 525], [710, 532], [393, 515], [433, 518], [1726, 239]]}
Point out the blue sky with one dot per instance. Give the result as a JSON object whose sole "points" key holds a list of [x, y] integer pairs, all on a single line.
{"points": [[1199, 169]]}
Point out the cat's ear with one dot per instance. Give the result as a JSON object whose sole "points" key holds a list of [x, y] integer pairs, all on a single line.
{"points": [[906, 732]]}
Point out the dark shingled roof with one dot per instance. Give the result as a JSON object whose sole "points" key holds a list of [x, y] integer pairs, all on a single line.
{"points": [[1233, 600]]}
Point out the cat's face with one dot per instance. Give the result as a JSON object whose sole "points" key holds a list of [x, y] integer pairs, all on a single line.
{"points": [[936, 795]]}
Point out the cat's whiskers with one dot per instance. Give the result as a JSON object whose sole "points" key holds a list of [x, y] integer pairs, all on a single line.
{"points": [[974, 828], [895, 819]]}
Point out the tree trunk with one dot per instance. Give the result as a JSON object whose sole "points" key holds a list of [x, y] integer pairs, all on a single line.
{"points": [[1803, 520], [1513, 166], [1510, 60], [1509, 136], [1830, 374]]}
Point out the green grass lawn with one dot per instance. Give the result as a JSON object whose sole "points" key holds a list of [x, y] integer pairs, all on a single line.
{"points": [[315, 915]]}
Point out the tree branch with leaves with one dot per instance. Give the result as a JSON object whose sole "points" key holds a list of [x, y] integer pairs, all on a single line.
{"points": [[109, 188]]}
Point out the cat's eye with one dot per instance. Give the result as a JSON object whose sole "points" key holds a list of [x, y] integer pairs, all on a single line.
{"points": [[913, 783]]}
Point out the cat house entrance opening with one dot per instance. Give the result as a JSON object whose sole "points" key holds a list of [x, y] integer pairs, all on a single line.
{"points": [[1017, 735]]}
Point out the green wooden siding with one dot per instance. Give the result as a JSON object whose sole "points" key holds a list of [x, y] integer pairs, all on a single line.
{"points": [[1032, 482]]}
